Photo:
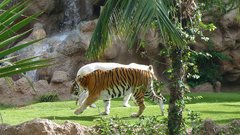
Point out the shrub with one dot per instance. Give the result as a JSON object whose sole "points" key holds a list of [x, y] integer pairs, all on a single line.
{"points": [[49, 97], [145, 125], [208, 67]]}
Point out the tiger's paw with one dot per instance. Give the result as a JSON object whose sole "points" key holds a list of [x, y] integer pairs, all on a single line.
{"points": [[135, 115], [104, 113], [126, 105], [93, 106], [77, 112]]}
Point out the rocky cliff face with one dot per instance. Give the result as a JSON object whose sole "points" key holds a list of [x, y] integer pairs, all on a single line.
{"points": [[226, 39]]}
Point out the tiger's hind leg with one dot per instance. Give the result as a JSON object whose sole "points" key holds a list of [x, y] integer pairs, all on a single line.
{"points": [[140, 101], [86, 103]]}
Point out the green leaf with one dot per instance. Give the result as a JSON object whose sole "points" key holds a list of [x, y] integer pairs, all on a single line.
{"points": [[100, 35], [12, 30], [9, 13], [21, 70], [8, 29], [16, 48], [25, 64], [7, 59], [11, 18], [12, 39], [26, 60], [4, 3]]}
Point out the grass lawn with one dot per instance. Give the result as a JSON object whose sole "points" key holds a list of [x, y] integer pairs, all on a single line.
{"points": [[221, 107]]}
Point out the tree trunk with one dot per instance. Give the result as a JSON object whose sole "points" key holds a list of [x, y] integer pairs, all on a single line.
{"points": [[176, 103]]}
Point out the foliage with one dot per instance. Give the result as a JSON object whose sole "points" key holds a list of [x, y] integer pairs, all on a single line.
{"points": [[218, 7], [158, 86], [195, 121], [205, 67], [48, 97], [234, 128], [210, 127], [11, 21], [145, 125]]}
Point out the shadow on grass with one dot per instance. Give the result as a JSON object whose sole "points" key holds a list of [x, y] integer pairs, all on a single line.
{"points": [[232, 105], [82, 118], [137, 118], [226, 120], [218, 112], [4, 107]]}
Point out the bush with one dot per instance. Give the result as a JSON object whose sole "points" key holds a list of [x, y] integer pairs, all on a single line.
{"points": [[208, 67], [49, 97], [146, 125]]}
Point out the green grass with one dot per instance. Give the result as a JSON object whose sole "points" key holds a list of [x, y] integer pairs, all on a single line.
{"points": [[221, 107]]}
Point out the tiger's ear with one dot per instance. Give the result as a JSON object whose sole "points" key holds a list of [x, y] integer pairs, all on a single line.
{"points": [[150, 67]]}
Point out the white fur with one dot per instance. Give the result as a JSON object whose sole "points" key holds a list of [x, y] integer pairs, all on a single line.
{"points": [[107, 66], [95, 66]]}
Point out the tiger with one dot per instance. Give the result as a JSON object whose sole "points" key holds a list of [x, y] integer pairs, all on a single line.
{"points": [[88, 68], [76, 94], [115, 83]]}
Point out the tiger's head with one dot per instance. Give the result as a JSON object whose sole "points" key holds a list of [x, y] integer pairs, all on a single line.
{"points": [[150, 69], [74, 90]]}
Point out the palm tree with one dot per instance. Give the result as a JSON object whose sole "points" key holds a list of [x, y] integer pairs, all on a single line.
{"points": [[10, 24], [127, 18]]}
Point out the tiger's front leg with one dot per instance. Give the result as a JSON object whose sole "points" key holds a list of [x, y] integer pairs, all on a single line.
{"points": [[90, 99], [80, 110], [107, 102], [140, 101]]}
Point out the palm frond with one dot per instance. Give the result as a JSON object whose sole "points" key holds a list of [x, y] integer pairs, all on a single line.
{"points": [[16, 48], [129, 18], [4, 3], [22, 69], [25, 64], [12, 39], [8, 32], [9, 26], [100, 36]]}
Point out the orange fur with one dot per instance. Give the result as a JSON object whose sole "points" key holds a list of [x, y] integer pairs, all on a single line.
{"points": [[99, 80]]}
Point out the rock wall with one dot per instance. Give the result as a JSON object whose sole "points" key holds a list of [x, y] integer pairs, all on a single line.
{"points": [[21, 92], [226, 39]]}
